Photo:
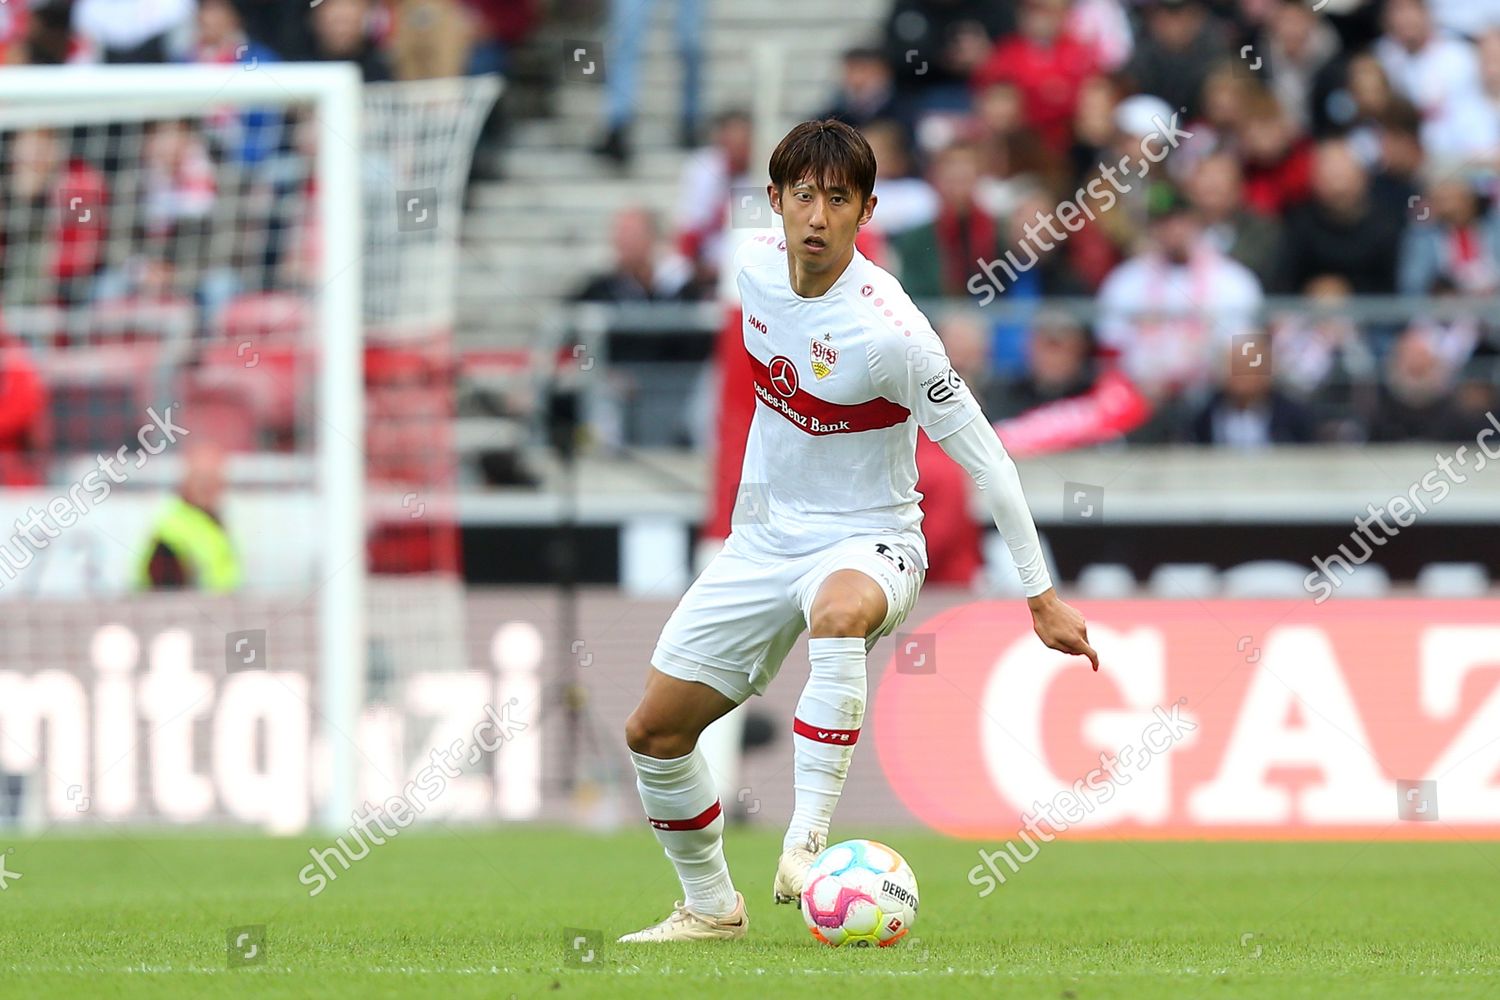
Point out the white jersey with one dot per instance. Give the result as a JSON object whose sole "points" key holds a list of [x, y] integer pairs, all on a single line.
{"points": [[841, 383]]}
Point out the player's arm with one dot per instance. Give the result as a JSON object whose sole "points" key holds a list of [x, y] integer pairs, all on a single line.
{"points": [[915, 372], [977, 448]]}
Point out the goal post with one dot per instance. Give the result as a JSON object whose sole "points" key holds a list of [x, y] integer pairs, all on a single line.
{"points": [[321, 237], [107, 94]]}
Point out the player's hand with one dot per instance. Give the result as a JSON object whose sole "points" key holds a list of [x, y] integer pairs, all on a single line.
{"points": [[1060, 626]]}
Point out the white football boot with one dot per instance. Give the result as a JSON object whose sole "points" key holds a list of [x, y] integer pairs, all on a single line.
{"points": [[685, 925], [791, 870]]}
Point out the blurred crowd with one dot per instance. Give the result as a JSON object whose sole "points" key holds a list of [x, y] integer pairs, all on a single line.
{"points": [[1332, 150], [111, 233], [401, 40], [102, 213]]}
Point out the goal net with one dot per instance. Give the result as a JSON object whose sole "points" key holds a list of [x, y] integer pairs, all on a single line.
{"points": [[231, 285]]}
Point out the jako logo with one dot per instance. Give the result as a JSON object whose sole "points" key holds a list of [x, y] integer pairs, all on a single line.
{"points": [[759, 325]]}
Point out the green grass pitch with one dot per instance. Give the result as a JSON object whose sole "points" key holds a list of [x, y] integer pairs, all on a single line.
{"points": [[482, 913]]}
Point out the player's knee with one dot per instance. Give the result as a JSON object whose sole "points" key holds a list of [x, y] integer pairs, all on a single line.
{"points": [[841, 616], [637, 732], [652, 740]]}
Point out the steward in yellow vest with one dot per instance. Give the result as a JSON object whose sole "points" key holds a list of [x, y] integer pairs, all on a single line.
{"points": [[189, 546]]}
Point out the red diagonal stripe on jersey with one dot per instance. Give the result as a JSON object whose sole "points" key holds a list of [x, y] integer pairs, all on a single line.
{"points": [[818, 416], [698, 822], [822, 734]]}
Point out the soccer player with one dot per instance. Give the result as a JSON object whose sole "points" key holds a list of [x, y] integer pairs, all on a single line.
{"points": [[827, 533]]}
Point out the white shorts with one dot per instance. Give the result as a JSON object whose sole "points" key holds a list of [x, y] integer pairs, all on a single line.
{"points": [[739, 619]]}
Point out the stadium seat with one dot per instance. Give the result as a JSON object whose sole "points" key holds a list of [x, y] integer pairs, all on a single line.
{"points": [[167, 322], [1184, 580], [1106, 581], [1367, 581], [409, 412], [404, 426], [260, 340], [278, 315], [218, 411], [1265, 578], [269, 376], [92, 417], [1453, 580]]}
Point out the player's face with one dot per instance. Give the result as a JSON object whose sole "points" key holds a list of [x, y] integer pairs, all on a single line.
{"points": [[820, 222]]}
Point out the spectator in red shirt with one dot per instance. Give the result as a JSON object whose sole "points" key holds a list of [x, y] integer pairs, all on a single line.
{"points": [[501, 26], [1278, 162], [1047, 64], [23, 404], [53, 214], [12, 34]]}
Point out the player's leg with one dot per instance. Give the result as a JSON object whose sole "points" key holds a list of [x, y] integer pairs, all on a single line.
{"points": [[724, 641], [850, 607], [677, 790], [847, 607]]}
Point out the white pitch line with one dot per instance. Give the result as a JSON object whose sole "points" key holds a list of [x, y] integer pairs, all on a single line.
{"points": [[261, 968], [633, 970]]}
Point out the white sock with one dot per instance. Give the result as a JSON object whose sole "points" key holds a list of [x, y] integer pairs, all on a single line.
{"points": [[824, 732], [683, 808]]}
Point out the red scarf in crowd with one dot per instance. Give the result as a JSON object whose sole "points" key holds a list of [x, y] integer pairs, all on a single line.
{"points": [[961, 243]]}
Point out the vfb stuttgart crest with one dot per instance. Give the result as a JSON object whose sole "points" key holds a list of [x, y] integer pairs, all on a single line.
{"points": [[824, 357]]}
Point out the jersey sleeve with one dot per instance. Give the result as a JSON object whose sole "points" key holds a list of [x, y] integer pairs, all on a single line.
{"points": [[908, 365], [977, 448], [748, 247]]}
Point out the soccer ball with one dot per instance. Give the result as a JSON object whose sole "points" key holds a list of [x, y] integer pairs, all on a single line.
{"points": [[860, 893]]}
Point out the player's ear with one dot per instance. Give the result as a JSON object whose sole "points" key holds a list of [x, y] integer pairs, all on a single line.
{"points": [[774, 193], [864, 218]]}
